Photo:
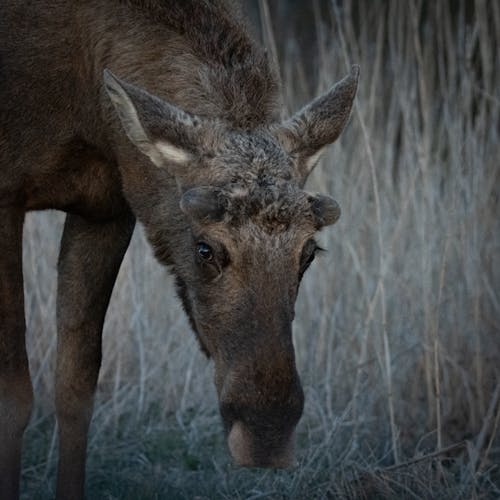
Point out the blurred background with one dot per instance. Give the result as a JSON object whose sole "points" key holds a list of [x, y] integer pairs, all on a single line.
{"points": [[397, 330]]}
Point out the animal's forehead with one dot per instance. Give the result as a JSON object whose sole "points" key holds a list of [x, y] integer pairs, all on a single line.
{"points": [[258, 178], [253, 236], [275, 208], [255, 158], [253, 239]]}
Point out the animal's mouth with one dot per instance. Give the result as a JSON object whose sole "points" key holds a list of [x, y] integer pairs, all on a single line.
{"points": [[249, 450]]}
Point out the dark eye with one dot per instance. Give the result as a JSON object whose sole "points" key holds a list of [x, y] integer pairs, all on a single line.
{"points": [[204, 251], [308, 254], [308, 257]]}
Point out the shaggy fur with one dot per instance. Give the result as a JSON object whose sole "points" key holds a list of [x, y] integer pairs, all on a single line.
{"points": [[187, 139]]}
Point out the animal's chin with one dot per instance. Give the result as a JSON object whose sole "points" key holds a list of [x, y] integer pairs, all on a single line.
{"points": [[249, 451]]}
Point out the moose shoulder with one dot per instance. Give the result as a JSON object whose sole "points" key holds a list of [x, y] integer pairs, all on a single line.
{"points": [[166, 112]]}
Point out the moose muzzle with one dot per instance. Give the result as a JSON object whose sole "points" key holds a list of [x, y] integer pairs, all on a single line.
{"points": [[260, 419]]}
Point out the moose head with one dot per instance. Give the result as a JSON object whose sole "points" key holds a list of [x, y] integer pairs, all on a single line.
{"points": [[238, 234]]}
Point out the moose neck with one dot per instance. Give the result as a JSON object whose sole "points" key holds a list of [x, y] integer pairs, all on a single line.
{"points": [[212, 67]]}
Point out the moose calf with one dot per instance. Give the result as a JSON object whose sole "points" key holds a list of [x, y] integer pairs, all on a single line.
{"points": [[165, 111]]}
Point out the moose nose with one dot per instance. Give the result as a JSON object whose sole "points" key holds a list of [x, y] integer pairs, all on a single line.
{"points": [[260, 427], [244, 448]]}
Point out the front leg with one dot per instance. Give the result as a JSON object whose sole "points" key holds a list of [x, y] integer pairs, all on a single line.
{"points": [[90, 256], [15, 386]]}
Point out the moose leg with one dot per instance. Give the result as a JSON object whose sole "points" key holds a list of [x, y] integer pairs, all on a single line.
{"points": [[16, 394], [90, 256]]}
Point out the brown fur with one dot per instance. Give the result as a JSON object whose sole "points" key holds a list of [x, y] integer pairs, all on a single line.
{"points": [[191, 144]]}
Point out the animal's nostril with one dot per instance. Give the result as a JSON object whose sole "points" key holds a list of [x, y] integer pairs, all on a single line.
{"points": [[230, 413]]}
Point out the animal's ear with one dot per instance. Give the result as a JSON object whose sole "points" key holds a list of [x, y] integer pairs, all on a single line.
{"points": [[163, 132], [319, 123], [326, 210], [204, 203]]}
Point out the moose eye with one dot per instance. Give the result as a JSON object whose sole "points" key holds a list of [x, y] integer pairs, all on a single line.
{"points": [[310, 258], [204, 251], [308, 254]]}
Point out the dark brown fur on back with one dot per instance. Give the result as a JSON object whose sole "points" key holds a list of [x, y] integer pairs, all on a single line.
{"points": [[235, 69]]}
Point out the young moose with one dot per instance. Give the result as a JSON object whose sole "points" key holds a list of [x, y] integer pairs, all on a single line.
{"points": [[187, 138]]}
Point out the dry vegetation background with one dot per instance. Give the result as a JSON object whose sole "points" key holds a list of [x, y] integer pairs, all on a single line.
{"points": [[397, 330]]}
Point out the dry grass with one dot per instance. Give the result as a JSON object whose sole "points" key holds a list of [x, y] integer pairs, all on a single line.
{"points": [[398, 325]]}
